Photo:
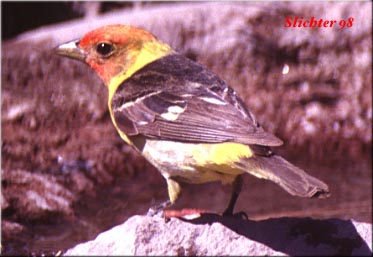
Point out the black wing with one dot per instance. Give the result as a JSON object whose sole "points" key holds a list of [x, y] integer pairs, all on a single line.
{"points": [[176, 99]]}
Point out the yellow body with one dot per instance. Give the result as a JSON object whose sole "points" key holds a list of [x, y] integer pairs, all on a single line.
{"points": [[195, 163], [189, 162]]}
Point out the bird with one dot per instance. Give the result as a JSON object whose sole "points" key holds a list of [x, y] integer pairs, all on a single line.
{"points": [[183, 118]]}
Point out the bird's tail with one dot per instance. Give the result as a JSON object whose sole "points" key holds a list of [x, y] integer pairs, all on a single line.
{"points": [[291, 178]]}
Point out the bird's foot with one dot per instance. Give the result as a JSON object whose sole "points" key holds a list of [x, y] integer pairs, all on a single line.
{"points": [[159, 210]]}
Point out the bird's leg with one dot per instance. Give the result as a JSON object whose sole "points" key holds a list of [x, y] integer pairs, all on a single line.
{"points": [[174, 190], [237, 186], [158, 210]]}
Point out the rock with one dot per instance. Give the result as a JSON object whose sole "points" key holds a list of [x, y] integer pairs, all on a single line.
{"points": [[211, 234], [35, 196]]}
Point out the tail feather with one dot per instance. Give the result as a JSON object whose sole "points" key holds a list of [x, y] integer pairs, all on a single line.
{"points": [[291, 178]]}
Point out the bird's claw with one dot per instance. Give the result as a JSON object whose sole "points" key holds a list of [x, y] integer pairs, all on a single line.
{"points": [[158, 210]]}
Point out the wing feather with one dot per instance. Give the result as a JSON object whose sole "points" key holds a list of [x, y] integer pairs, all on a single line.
{"points": [[190, 106]]}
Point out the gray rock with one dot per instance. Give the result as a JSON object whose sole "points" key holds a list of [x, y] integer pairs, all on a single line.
{"points": [[212, 234]]}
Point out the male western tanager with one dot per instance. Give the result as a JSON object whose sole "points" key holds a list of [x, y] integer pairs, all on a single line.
{"points": [[182, 117]]}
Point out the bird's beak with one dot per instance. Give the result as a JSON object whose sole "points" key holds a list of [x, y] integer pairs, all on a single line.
{"points": [[71, 49]]}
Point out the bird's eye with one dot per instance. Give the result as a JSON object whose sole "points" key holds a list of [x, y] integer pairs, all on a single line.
{"points": [[105, 49]]}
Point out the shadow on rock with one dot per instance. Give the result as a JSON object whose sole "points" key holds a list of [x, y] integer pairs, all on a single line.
{"points": [[297, 236]]}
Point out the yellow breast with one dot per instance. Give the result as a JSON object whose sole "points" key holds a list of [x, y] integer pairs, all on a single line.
{"points": [[197, 163]]}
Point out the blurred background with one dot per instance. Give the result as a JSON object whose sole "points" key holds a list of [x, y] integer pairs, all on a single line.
{"points": [[18, 17], [67, 175]]}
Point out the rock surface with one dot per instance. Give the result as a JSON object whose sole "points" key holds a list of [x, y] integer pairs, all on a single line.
{"points": [[211, 235]]}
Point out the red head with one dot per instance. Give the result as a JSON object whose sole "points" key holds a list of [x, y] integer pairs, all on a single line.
{"points": [[112, 50]]}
